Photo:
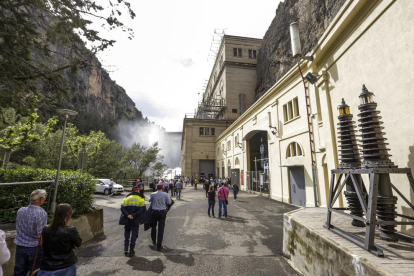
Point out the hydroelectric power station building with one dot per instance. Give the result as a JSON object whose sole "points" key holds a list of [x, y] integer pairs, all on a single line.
{"points": [[271, 145]]}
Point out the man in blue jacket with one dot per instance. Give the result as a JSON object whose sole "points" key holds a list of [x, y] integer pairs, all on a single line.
{"points": [[133, 214]]}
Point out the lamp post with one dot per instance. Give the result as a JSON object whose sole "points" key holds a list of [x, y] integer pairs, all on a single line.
{"points": [[65, 112]]}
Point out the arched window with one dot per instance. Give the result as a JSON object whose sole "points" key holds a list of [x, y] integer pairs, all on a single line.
{"points": [[228, 163], [236, 161], [294, 149]]}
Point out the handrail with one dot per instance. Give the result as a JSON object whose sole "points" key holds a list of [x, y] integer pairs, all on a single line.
{"points": [[25, 183]]}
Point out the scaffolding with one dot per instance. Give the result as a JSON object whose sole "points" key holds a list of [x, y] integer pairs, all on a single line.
{"points": [[211, 108]]}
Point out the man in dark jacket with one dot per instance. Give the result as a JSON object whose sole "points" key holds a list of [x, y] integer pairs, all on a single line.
{"points": [[133, 214]]}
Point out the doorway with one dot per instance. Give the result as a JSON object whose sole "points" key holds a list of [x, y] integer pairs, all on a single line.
{"points": [[235, 176], [297, 185]]}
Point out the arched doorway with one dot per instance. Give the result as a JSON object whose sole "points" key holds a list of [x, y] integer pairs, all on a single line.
{"points": [[258, 177]]}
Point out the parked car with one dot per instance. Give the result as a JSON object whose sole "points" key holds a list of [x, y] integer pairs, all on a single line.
{"points": [[102, 186]]}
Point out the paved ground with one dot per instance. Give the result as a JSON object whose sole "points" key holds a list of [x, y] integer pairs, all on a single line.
{"points": [[249, 242]]}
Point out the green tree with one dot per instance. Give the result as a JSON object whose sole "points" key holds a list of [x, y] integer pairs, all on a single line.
{"points": [[40, 40], [22, 133], [138, 159], [157, 170], [107, 161]]}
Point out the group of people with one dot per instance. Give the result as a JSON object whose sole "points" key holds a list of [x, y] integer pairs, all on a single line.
{"points": [[47, 249], [174, 186], [222, 195], [135, 213]]}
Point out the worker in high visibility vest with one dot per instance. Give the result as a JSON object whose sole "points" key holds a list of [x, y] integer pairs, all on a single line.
{"points": [[133, 214]]}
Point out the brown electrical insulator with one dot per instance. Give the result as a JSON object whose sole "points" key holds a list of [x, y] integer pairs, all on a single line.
{"points": [[350, 158], [375, 155]]}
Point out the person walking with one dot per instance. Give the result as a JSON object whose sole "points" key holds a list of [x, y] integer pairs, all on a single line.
{"points": [[59, 242], [235, 190], [195, 183], [133, 211], [159, 203], [166, 184], [223, 195], [211, 200], [110, 187], [192, 181], [30, 221], [171, 187], [141, 186], [178, 187], [206, 185], [4, 251]]}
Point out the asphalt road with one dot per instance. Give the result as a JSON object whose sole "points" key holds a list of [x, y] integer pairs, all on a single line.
{"points": [[249, 242]]}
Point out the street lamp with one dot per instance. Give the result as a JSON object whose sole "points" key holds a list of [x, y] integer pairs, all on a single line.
{"points": [[65, 112]]}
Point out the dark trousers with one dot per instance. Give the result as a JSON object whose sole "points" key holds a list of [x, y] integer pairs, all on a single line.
{"points": [[24, 260], [172, 191], [235, 195], [211, 204], [153, 189], [158, 218], [130, 240], [195, 186]]}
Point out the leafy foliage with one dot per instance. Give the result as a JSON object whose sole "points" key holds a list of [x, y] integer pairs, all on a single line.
{"points": [[138, 159], [21, 133], [40, 40], [74, 188]]}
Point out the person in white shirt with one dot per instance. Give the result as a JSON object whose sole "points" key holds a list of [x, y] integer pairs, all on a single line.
{"points": [[4, 251]]}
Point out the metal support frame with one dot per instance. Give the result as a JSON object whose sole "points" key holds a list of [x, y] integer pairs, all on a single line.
{"points": [[370, 208]]}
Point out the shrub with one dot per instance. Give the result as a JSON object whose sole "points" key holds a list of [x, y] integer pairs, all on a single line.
{"points": [[75, 188]]}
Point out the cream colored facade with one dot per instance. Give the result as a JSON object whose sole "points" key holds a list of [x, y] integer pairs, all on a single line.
{"points": [[369, 42]]}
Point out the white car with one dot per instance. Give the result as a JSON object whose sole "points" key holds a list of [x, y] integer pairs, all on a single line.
{"points": [[102, 186]]}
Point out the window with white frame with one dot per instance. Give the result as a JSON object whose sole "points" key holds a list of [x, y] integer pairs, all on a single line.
{"points": [[252, 53], [229, 145], [291, 110], [294, 149]]}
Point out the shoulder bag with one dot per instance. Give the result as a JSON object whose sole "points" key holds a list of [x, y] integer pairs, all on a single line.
{"points": [[225, 198], [34, 272]]}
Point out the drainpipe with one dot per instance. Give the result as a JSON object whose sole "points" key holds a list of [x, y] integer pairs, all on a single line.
{"points": [[325, 77]]}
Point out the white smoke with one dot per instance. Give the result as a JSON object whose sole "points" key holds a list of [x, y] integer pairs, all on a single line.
{"points": [[146, 134]]}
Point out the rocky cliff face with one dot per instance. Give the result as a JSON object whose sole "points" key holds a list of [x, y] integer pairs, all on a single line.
{"points": [[100, 102], [275, 55]]}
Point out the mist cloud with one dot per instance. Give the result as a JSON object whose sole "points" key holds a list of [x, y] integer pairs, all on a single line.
{"points": [[147, 134]]}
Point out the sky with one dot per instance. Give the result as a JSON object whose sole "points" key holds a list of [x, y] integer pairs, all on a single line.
{"points": [[164, 67]]}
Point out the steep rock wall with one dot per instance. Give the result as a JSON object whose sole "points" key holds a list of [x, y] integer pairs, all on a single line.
{"points": [[275, 55]]}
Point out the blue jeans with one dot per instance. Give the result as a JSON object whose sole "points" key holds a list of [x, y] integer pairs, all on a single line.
{"points": [[127, 235], [235, 195], [222, 203], [69, 271], [211, 204], [24, 260], [178, 194]]}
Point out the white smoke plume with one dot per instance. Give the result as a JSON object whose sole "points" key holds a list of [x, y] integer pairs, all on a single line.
{"points": [[146, 134]]}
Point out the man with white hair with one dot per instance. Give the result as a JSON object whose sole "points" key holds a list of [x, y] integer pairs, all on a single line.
{"points": [[30, 221]]}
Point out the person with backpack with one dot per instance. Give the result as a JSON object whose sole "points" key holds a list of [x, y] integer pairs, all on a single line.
{"points": [[235, 191]]}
